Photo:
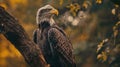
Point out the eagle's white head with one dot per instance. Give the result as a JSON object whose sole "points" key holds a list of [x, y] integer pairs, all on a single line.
{"points": [[45, 15]]}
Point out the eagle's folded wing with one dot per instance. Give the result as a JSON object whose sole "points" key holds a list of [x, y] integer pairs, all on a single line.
{"points": [[61, 45]]}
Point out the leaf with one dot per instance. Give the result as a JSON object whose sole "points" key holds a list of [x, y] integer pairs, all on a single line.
{"points": [[116, 28], [74, 8], [61, 2], [113, 11], [116, 5], [99, 1], [100, 46], [86, 4], [99, 56], [104, 54], [102, 57]]}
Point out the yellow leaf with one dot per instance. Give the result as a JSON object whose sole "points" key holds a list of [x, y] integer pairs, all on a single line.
{"points": [[77, 6], [61, 2], [115, 33], [113, 11], [99, 56], [101, 44], [116, 5], [74, 8], [104, 54], [98, 1], [86, 4], [115, 28]]}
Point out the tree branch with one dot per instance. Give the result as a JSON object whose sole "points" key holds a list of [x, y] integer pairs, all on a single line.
{"points": [[15, 33]]}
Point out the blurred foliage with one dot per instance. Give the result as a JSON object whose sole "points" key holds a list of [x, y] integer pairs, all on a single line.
{"points": [[61, 2], [116, 2], [98, 1], [108, 50], [86, 22], [74, 8]]}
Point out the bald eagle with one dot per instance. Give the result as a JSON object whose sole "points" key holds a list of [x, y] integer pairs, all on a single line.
{"points": [[55, 46]]}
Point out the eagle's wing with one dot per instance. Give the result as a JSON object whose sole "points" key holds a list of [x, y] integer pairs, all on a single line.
{"points": [[61, 45], [35, 35]]}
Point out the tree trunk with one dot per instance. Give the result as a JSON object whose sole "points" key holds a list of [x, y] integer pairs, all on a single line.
{"points": [[15, 33]]}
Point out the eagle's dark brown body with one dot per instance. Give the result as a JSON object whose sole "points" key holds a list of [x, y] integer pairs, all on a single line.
{"points": [[55, 46]]}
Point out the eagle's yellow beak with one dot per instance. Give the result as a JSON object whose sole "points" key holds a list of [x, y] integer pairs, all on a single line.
{"points": [[54, 11]]}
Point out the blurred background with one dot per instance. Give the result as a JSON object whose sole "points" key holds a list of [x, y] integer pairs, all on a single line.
{"points": [[86, 22]]}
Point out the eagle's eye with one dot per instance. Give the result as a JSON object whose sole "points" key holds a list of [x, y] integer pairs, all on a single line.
{"points": [[45, 10]]}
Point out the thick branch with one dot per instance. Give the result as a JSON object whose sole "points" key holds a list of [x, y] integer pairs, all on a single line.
{"points": [[15, 33]]}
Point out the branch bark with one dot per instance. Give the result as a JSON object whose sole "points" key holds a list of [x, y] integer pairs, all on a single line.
{"points": [[15, 33]]}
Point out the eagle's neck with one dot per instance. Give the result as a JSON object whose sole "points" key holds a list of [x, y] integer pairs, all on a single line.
{"points": [[52, 22], [44, 23]]}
